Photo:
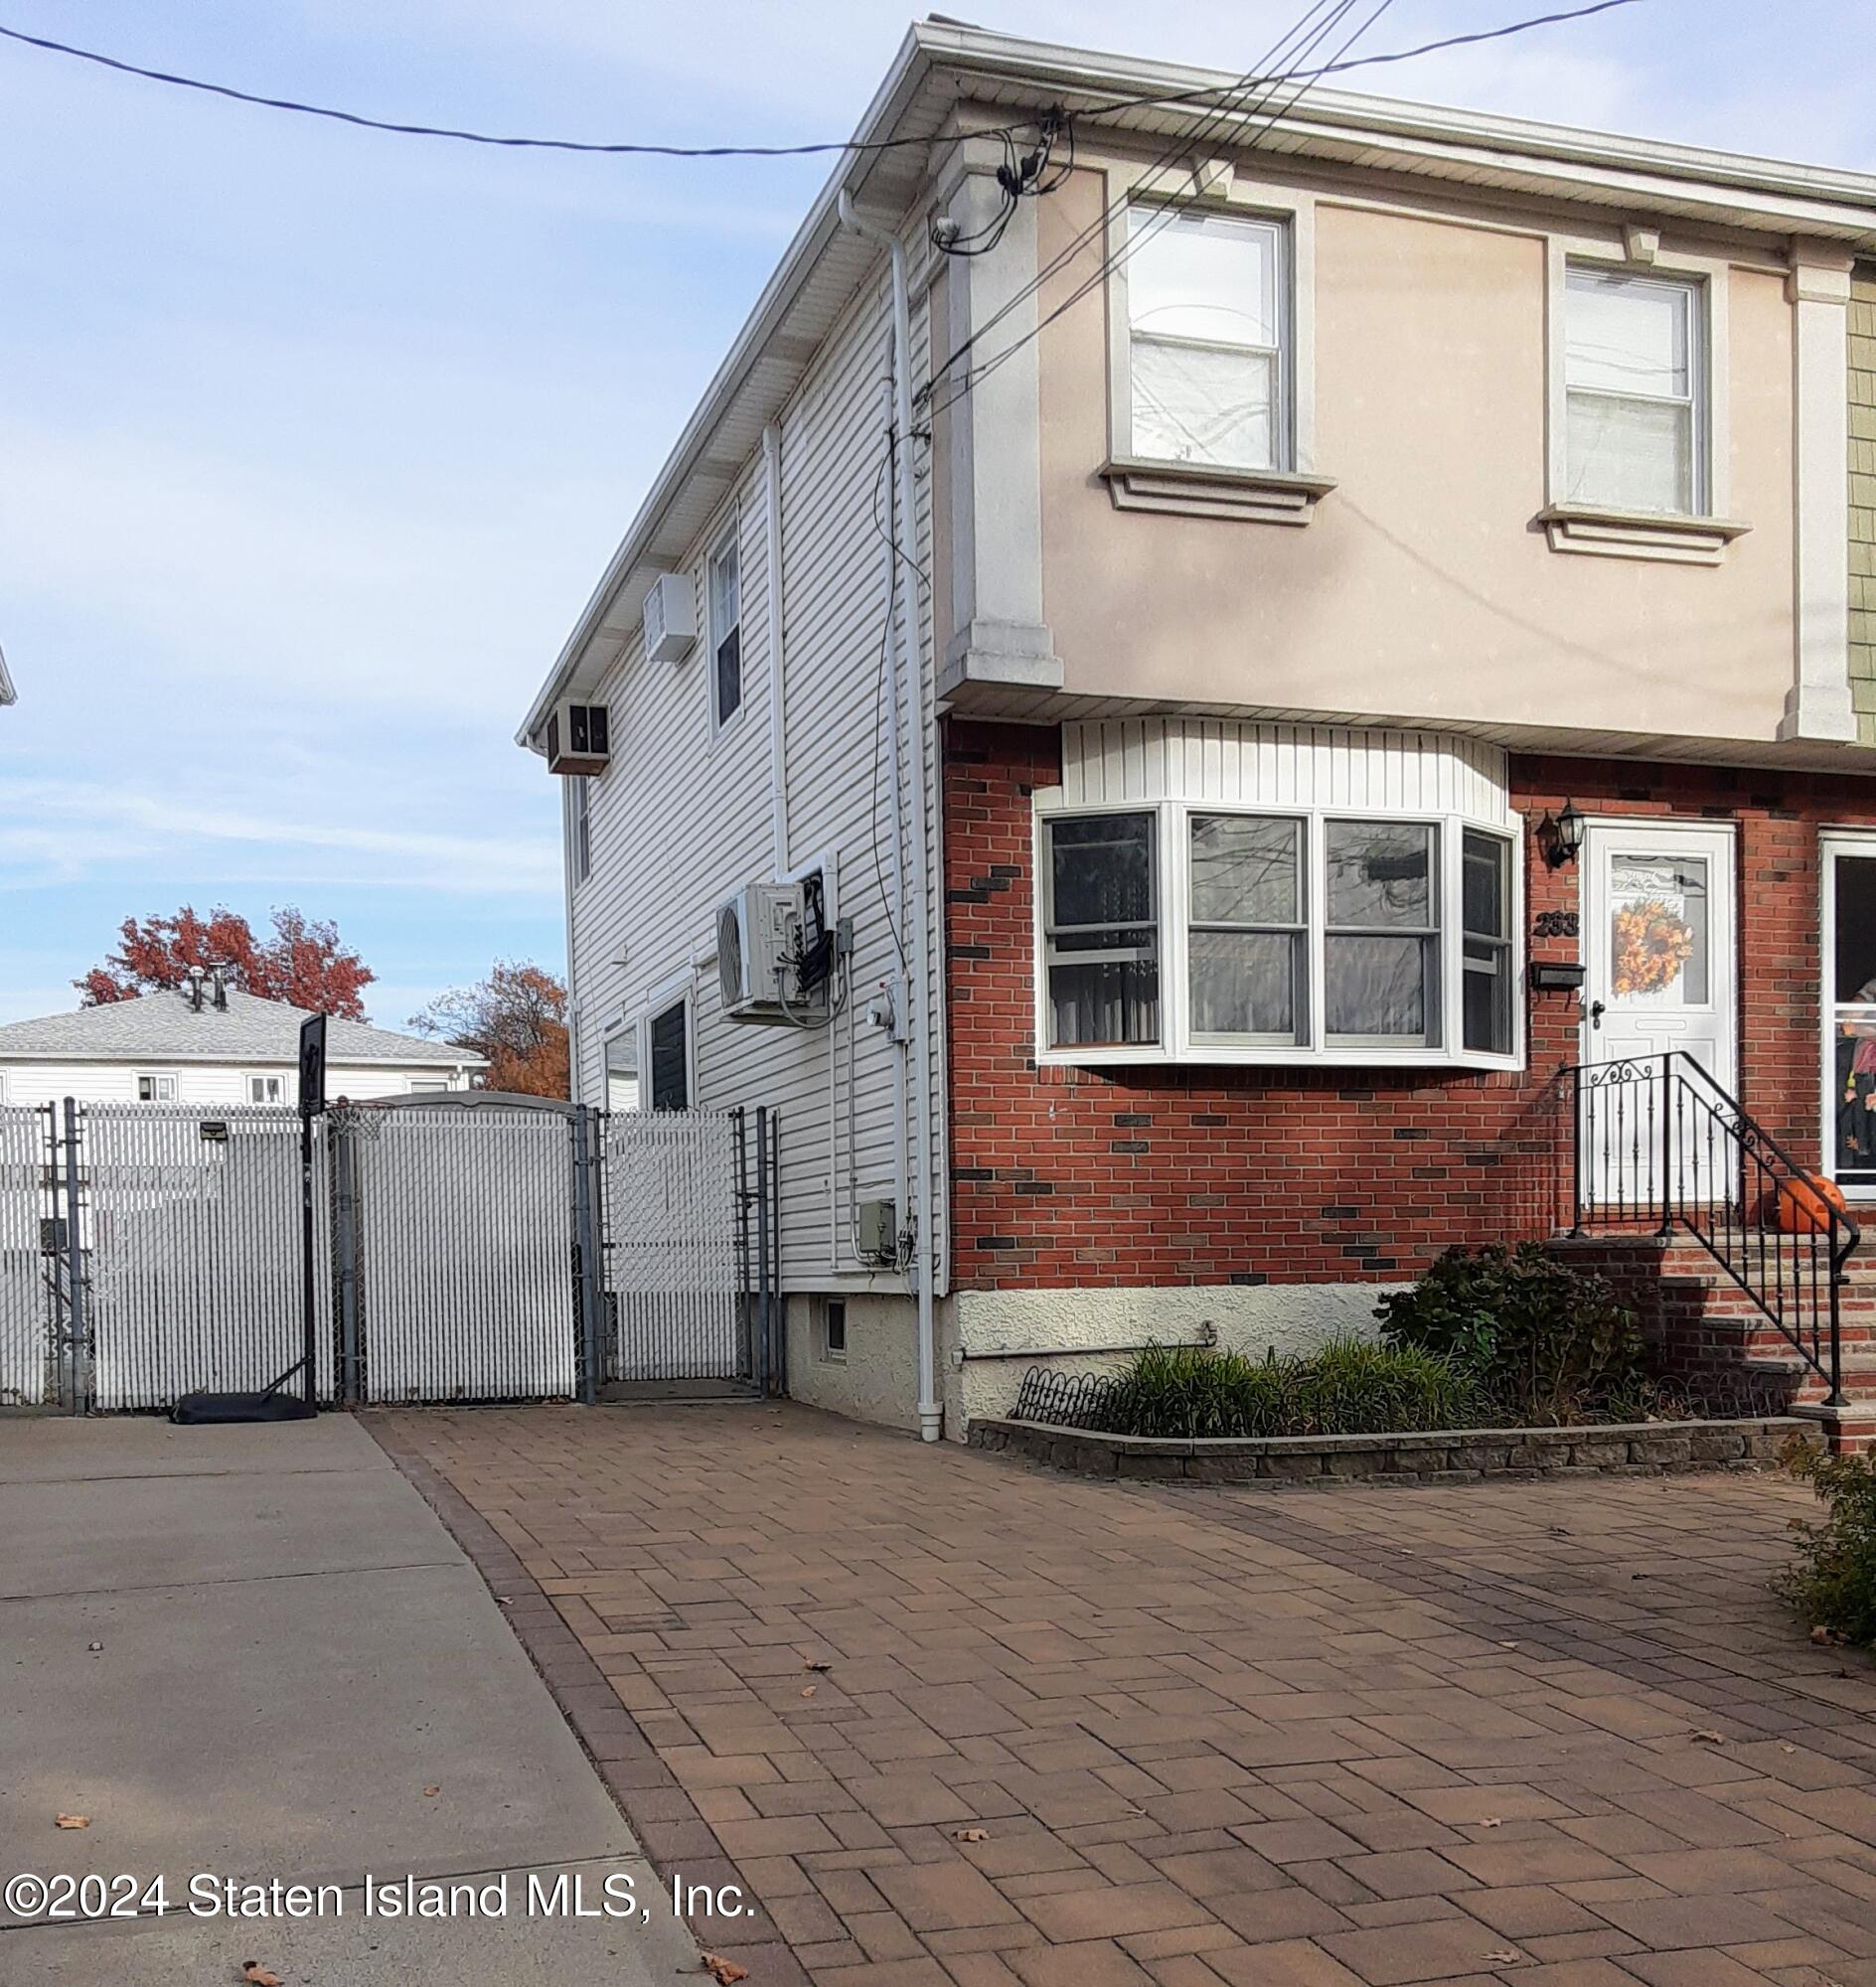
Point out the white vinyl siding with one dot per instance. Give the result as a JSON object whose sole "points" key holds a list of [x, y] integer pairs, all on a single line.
{"points": [[213, 1083], [1634, 390], [684, 818], [1207, 323]]}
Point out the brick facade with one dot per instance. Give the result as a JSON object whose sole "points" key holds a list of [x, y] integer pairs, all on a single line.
{"points": [[1217, 1175]]}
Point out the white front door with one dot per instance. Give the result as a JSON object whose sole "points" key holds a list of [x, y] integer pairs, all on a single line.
{"points": [[1661, 974]]}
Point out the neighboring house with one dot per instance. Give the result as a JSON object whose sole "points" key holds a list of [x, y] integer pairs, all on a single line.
{"points": [[1344, 499], [6, 681], [211, 1045]]}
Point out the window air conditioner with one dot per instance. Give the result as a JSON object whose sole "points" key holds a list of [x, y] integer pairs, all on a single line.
{"points": [[578, 738], [669, 618]]}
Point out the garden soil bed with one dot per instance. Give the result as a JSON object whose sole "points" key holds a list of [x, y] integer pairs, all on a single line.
{"points": [[1456, 1456]]}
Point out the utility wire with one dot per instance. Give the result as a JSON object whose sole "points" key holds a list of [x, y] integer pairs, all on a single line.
{"points": [[1100, 109]]}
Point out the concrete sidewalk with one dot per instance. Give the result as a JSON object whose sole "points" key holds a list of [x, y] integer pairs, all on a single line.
{"points": [[298, 1676]]}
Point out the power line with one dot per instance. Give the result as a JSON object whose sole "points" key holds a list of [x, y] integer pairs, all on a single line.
{"points": [[640, 148]]}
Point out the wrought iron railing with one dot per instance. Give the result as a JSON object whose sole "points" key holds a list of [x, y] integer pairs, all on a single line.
{"points": [[1659, 1143]]}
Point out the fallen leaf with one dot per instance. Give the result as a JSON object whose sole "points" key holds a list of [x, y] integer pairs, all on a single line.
{"points": [[970, 1835], [1788, 1748], [725, 1972], [261, 1976], [809, 1691], [71, 1821], [1826, 1638], [1493, 1821], [1503, 1956], [820, 1670], [1507, 1646], [95, 1648], [1705, 1737], [430, 1794]]}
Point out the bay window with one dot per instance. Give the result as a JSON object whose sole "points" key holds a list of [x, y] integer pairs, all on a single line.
{"points": [[1101, 932], [1192, 932], [1208, 376]]}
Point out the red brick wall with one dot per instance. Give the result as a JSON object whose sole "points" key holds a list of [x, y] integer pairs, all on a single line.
{"points": [[1208, 1174]]}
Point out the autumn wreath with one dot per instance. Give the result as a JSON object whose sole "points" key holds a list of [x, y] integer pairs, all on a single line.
{"points": [[1651, 947]]}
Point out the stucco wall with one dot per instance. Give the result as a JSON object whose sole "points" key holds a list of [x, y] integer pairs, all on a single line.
{"points": [[877, 1381], [1424, 586]]}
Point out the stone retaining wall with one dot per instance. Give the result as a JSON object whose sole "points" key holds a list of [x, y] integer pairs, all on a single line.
{"points": [[1459, 1455]]}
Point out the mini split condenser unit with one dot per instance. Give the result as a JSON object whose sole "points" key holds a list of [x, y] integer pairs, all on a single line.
{"points": [[580, 738], [759, 955]]}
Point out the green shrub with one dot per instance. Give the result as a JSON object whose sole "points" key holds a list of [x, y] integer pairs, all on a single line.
{"points": [[1833, 1583], [1348, 1388], [1548, 1343]]}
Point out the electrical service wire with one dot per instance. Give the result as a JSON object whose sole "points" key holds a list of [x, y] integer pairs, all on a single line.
{"points": [[640, 148]]}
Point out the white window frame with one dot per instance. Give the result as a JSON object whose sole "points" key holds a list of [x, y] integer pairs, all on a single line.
{"points": [[1832, 843], [252, 1080], [829, 1354], [1699, 536], [4, 1076], [428, 1086], [1172, 888], [727, 543], [680, 991], [623, 1030], [579, 827], [156, 1079], [1292, 210]]}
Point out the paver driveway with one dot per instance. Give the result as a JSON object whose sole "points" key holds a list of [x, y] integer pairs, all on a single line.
{"points": [[1552, 1735]]}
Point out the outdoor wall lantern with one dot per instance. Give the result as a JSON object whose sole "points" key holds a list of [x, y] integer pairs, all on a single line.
{"points": [[1561, 836]]}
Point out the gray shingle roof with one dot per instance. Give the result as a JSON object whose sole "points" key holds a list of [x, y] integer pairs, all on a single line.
{"points": [[165, 1027]]}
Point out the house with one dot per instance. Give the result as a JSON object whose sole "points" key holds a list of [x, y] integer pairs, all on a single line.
{"points": [[211, 1044], [1192, 662]]}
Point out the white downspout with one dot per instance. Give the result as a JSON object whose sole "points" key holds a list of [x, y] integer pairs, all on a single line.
{"points": [[778, 736], [573, 984], [923, 1267]]}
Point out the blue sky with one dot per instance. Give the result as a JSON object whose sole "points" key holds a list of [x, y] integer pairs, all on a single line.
{"points": [[313, 441]]}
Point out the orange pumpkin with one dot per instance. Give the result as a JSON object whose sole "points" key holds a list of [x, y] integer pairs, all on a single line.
{"points": [[1804, 1205]]}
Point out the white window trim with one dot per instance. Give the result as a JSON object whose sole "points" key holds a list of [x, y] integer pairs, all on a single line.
{"points": [[156, 1079], [579, 827], [824, 1348], [1283, 496], [727, 539], [1699, 536], [4, 1076], [1171, 882], [1831, 843], [679, 990], [263, 1077]]}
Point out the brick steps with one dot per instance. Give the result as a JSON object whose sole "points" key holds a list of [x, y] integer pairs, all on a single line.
{"points": [[1705, 1322]]}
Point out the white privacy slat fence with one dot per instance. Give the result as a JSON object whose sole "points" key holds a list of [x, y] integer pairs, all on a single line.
{"points": [[673, 1246], [191, 1221], [27, 1320], [457, 1251], [466, 1267]]}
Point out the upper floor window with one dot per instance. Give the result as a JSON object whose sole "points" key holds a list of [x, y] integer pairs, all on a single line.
{"points": [[581, 797], [1634, 390], [726, 631], [1208, 372]]}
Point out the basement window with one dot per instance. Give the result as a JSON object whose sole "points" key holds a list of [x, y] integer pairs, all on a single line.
{"points": [[833, 1330], [1195, 933]]}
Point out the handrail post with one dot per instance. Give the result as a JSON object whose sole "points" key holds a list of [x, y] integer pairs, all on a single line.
{"points": [[1667, 1144], [1837, 1260], [1576, 1149]]}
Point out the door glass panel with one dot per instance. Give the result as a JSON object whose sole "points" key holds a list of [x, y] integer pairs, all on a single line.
{"points": [[1853, 1017], [1658, 937]]}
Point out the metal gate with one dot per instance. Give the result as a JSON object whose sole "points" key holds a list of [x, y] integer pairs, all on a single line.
{"points": [[31, 1267], [190, 1222], [676, 1259], [471, 1249], [466, 1274]]}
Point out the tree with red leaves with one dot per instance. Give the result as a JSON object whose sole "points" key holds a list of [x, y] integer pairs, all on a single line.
{"points": [[517, 1017], [303, 963]]}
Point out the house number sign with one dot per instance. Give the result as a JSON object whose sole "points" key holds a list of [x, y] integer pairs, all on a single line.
{"points": [[1555, 924]]}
